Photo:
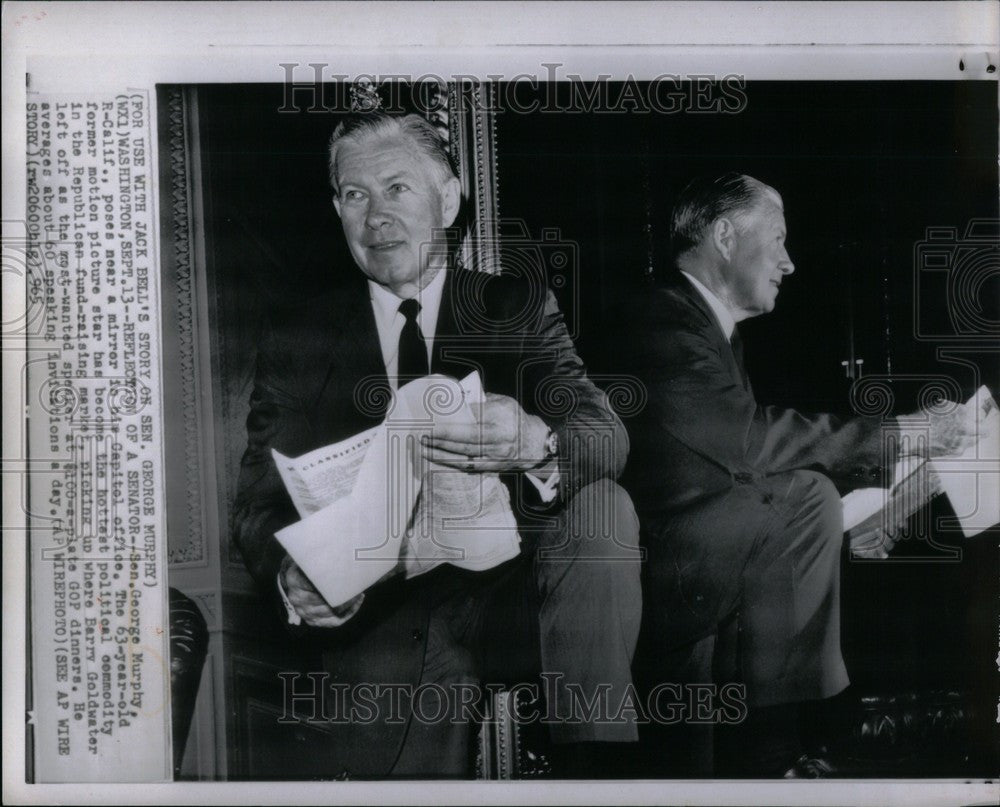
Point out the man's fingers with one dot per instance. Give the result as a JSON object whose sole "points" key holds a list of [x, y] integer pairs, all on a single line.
{"points": [[457, 447], [327, 619], [461, 462], [458, 432], [503, 453], [302, 598], [314, 611], [485, 442], [295, 579], [495, 408], [451, 459], [322, 610], [489, 466]]}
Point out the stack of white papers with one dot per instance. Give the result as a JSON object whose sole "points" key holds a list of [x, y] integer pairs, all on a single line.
{"points": [[372, 506], [971, 480]]}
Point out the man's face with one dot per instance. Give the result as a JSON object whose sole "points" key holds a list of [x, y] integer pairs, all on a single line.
{"points": [[390, 203], [759, 259]]}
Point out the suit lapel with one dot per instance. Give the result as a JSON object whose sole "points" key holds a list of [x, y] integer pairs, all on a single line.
{"points": [[354, 356], [736, 342], [454, 352], [445, 327], [731, 350]]}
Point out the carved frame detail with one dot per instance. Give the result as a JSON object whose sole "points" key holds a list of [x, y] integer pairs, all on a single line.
{"points": [[472, 140], [179, 263]]}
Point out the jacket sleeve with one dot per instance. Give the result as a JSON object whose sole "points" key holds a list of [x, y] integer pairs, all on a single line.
{"points": [[701, 403], [278, 418], [593, 443]]}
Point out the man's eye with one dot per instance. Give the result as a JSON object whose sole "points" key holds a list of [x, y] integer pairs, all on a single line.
{"points": [[399, 187], [352, 196]]}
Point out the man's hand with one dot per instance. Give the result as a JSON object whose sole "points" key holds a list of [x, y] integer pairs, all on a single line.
{"points": [[953, 432], [309, 603], [505, 438]]}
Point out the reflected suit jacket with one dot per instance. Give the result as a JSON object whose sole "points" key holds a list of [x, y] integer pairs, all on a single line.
{"points": [[702, 431], [320, 378]]}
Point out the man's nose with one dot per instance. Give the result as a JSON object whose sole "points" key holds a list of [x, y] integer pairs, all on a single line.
{"points": [[785, 265], [377, 216]]}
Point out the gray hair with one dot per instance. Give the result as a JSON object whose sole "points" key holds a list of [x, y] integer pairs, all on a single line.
{"points": [[358, 126], [708, 198]]}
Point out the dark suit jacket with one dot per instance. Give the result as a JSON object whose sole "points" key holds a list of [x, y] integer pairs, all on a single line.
{"points": [[320, 378], [702, 431]]}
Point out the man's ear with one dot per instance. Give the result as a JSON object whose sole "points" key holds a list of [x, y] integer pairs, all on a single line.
{"points": [[451, 200], [724, 238], [336, 204]]}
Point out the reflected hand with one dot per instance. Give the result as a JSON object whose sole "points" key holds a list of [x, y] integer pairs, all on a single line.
{"points": [[953, 432], [505, 438]]}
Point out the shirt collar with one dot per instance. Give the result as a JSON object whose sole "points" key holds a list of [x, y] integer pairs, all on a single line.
{"points": [[722, 315], [386, 304]]}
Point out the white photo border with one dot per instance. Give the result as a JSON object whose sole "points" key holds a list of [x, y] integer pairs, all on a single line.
{"points": [[69, 46]]}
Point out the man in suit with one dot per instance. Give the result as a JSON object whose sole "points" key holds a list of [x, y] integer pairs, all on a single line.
{"points": [[325, 372], [739, 513]]}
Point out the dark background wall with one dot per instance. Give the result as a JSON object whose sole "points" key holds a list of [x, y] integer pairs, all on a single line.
{"points": [[864, 169]]}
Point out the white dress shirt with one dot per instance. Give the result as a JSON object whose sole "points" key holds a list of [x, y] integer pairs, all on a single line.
{"points": [[389, 322]]}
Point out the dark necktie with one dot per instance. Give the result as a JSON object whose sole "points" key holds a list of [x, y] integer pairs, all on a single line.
{"points": [[737, 345], [412, 357]]}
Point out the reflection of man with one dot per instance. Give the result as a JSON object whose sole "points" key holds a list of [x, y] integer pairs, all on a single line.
{"points": [[738, 510], [578, 601]]}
